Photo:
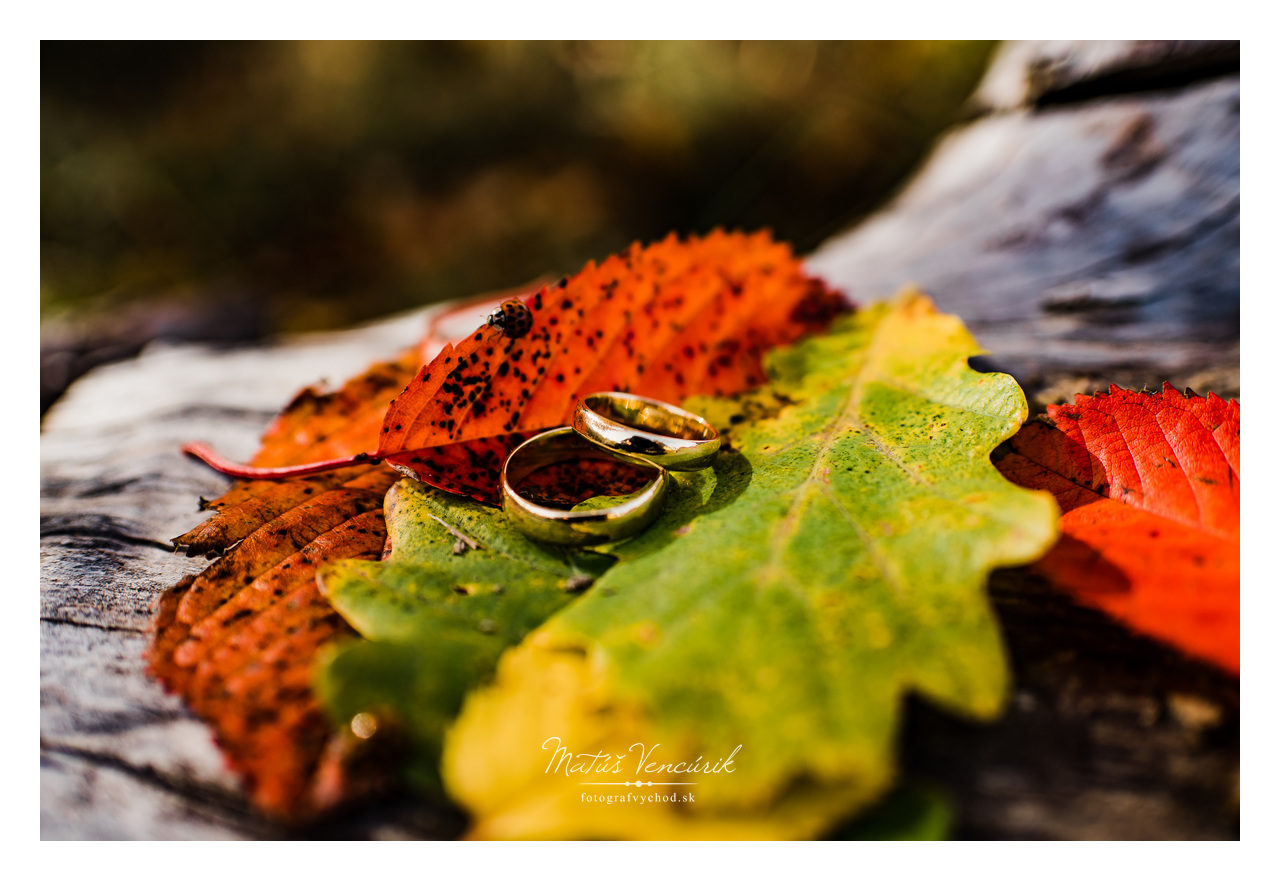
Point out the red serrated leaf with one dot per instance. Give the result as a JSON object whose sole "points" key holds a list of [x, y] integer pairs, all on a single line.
{"points": [[1149, 486]]}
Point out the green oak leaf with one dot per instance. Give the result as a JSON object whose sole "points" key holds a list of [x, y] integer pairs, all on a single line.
{"points": [[848, 570]]}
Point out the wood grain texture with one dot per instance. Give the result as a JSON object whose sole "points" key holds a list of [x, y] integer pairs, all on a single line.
{"points": [[1085, 224], [114, 490], [1074, 239]]}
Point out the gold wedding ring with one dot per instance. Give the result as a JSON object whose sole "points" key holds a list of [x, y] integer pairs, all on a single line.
{"points": [[577, 528], [654, 430]]}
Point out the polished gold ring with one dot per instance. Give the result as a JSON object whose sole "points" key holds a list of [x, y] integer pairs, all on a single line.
{"points": [[577, 528], [654, 430]]}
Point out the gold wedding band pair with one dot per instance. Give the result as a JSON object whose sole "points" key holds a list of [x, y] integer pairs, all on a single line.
{"points": [[611, 426]]}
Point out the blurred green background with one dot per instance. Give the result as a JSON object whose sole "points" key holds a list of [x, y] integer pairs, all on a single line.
{"points": [[227, 191]]}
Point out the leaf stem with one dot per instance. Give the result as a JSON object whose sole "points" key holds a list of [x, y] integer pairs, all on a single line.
{"points": [[210, 457]]}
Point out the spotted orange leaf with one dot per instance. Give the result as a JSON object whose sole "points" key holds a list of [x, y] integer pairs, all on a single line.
{"points": [[676, 318], [1149, 486]]}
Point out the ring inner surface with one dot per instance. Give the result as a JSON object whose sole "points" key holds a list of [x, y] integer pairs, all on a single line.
{"points": [[644, 416], [566, 471]]}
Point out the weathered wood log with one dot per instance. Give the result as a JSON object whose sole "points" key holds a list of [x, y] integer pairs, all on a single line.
{"points": [[1085, 224], [1094, 240]]}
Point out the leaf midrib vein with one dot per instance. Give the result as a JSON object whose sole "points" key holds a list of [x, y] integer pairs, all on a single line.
{"points": [[847, 415]]}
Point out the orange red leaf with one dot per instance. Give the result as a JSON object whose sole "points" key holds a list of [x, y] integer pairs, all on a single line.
{"points": [[1149, 486], [676, 318]]}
